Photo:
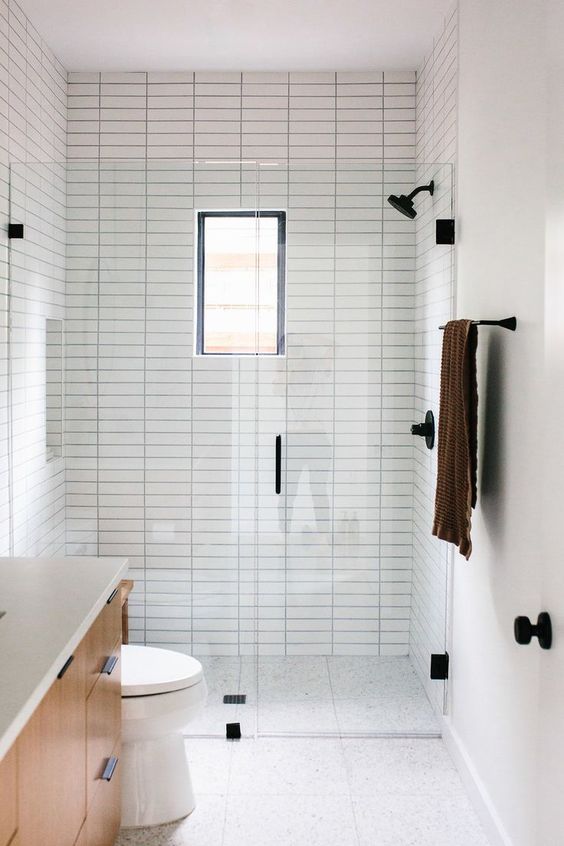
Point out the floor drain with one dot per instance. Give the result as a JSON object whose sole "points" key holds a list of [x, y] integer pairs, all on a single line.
{"points": [[235, 699]]}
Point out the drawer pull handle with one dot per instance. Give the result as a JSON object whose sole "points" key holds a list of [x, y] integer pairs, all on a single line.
{"points": [[111, 596], [110, 664], [110, 768], [65, 667]]}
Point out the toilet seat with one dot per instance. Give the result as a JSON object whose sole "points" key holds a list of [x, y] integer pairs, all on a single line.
{"points": [[148, 670]]}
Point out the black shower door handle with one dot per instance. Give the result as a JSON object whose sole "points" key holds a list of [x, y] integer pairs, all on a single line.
{"points": [[277, 481]]}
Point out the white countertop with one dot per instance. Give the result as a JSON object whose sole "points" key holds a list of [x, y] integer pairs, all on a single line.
{"points": [[50, 604]]}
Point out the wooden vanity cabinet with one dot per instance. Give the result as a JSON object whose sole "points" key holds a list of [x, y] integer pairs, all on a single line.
{"points": [[8, 794], [51, 762], [60, 782]]}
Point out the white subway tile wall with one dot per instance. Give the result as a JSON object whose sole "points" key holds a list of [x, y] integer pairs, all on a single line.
{"points": [[171, 457], [434, 304], [32, 278]]}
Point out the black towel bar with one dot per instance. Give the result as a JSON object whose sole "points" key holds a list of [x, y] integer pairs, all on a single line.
{"points": [[506, 323]]}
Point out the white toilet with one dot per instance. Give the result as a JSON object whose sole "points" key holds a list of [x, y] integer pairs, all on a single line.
{"points": [[162, 690]]}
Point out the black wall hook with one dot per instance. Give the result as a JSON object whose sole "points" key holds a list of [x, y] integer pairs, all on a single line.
{"points": [[524, 630]]}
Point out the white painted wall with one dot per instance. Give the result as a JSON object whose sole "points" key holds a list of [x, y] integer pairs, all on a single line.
{"points": [[550, 772], [501, 266]]}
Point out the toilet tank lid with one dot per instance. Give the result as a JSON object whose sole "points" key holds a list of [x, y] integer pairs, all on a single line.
{"points": [[146, 670]]}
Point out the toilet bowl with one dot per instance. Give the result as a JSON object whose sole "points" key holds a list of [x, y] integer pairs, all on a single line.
{"points": [[161, 691]]}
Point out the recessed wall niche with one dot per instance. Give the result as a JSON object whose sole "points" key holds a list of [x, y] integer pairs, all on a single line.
{"points": [[53, 388]]}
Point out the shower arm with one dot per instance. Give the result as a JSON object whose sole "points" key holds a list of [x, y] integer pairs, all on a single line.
{"points": [[430, 188]]}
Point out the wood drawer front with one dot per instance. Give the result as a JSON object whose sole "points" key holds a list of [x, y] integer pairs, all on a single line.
{"points": [[8, 797], [103, 723], [52, 763], [101, 638], [104, 815]]}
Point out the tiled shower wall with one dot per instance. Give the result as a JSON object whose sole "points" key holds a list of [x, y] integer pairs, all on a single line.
{"points": [[434, 304], [33, 129], [170, 457]]}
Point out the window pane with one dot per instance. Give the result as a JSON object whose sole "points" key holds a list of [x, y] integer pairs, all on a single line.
{"points": [[240, 285]]}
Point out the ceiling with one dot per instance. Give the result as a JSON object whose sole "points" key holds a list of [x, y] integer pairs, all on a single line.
{"points": [[237, 34]]}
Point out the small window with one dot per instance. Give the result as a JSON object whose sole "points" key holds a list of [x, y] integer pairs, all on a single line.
{"points": [[241, 282]]}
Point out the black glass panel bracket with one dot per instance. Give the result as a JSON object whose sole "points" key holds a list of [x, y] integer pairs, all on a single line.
{"points": [[444, 230], [235, 699], [506, 323], [233, 731], [15, 230], [439, 666]]}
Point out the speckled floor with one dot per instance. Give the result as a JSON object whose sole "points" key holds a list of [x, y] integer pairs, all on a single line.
{"points": [[321, 792], [316, 696]]}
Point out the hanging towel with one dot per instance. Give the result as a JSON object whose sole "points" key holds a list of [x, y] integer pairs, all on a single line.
{"points": [[458, 435]]}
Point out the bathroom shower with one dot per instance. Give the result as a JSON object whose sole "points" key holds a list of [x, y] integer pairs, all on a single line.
{"points": [[404, 203]]}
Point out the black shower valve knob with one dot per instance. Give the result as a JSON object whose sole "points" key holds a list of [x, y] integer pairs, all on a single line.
{"points": [[426, 429], [422, 429], [525, 631]]}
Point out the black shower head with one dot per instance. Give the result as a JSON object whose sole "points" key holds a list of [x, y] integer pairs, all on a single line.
{"points": [[404, 203]]}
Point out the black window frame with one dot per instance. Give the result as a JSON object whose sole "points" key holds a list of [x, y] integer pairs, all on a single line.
{"points": [[280, 290]]}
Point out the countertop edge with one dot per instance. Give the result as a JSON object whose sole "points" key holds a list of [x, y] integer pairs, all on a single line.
{"points": [[10, 735]]}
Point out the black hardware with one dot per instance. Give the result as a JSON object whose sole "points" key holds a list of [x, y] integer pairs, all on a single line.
{"points": [[444, 231], [439, 665], [506, 323], [110, 768], [524, 630], [109, 665], [278, 463], [233, 731], [15, 230], [426, 430], [404, 204], [235, 699], [65, 667], [111, 596]]}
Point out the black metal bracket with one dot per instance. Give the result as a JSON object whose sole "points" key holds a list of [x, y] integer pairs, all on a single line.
{"points": [[233, 731], [15, 230], [524, 630], [439, 665], [426, 430], [444, 231]]}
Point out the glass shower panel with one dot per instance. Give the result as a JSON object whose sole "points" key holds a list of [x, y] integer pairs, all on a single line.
{"points": [[338, 646], [224, 490]]}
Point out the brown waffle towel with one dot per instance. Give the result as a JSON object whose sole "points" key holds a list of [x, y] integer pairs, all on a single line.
{"points": [[457, 454]]}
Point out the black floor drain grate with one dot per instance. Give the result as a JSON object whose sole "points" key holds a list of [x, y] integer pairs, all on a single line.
{"points": [[235, 699]]}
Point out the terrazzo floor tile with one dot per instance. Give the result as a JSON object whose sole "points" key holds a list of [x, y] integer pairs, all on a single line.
{"points": [[294, 679], [415, 820], [362, 677], [261, 820], [284, 766], [204, 827], [305, 717], [394, 765], [210, 762], [387, 712]]}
